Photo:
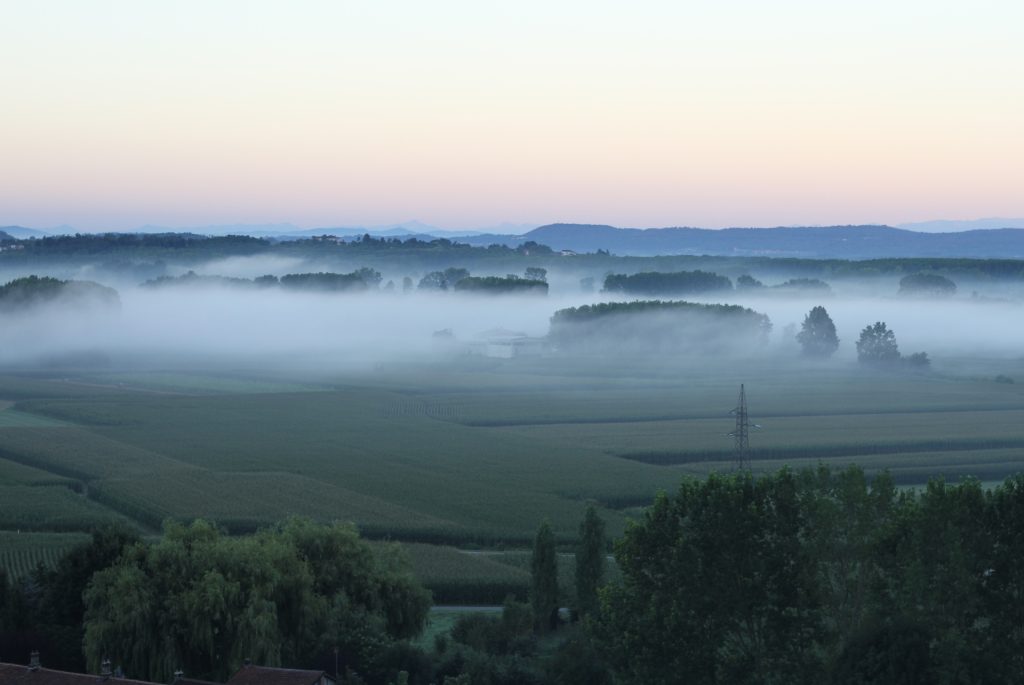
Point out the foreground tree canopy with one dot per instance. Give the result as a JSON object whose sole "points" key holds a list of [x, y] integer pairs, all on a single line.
{"points": [[818, 577], [203, 602]]}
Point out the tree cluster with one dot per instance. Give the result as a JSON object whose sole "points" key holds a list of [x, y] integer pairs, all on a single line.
{"points": [[324, 281], [142, 243], [203, 602], [931, 285], [877, 346], [496, 285], [662, 283], [361, 279], [815, 285], [31, 291], [443, 280], [655, 325], [506, 649], [820, 577]]}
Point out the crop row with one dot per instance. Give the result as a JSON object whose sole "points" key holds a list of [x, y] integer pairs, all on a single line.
{"points": [[51, 508], [14, 473], [21, 553]]}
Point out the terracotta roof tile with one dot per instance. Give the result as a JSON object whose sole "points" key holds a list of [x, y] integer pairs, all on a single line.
{"points": [[18, 674], [264, 675]]}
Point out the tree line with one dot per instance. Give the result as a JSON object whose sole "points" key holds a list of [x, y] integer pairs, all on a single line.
{"points": [[813, 576], [876, 345], [797, 576], [29, 291], [669, 326]]}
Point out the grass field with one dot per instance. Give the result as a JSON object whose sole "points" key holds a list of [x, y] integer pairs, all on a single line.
{"points": [[474, 455]]}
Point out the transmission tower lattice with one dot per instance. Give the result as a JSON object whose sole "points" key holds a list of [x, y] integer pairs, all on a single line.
{"points": [[741, 435]]}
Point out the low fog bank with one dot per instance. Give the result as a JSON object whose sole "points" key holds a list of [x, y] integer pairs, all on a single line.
{"points": [[954, 327], [309, 332], [281, 328]]}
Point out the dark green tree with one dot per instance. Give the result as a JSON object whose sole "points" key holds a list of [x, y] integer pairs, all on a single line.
{"points": [[203, 602], [818, 336], [544, 580], [6, 595], [536, 273], [716, 586], [1004, 579], [590, 553], [877, 345], [61, 605]]}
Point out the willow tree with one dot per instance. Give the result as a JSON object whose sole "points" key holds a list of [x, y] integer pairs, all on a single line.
{"points": [[204, 602]]}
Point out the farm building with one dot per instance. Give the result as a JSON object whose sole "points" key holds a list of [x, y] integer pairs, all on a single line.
{"points": [[501, 343]]}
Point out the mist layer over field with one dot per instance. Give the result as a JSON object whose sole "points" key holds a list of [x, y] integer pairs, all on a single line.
{"points": [[282, 329]]}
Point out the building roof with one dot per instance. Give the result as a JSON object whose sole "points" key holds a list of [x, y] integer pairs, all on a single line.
{"points": [[500, 334], [265, 675], [19, 674]]}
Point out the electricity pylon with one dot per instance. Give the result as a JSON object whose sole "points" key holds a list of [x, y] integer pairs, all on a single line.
{"points": [[741, 435]]}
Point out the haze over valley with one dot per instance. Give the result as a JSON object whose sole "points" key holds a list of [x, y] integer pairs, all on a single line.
{"points": [[535, 343]]}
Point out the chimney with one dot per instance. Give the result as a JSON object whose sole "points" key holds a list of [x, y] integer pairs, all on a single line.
{"points": [[33, 660], [178, 675], [105, 669]]}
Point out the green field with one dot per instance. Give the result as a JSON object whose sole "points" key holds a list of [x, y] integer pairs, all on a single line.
{"points": [[12, 418], [21, 553], [188, 383], [471, 456]]}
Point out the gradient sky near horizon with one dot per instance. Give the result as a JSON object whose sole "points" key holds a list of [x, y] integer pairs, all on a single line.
{"points": [[468, 114]]}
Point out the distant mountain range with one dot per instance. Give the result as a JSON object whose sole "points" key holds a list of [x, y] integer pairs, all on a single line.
{"points": [[20, 232], [947, 226], [843, 242]]}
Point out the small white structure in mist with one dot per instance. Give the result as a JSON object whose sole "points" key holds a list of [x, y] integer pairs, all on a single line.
{"points": [[501, 343]]}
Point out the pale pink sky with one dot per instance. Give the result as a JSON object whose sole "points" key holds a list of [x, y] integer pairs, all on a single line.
{"points": [[464, 114]]}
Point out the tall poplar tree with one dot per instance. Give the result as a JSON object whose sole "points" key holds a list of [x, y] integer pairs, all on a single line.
{"points": [[589, 561], [544, 580]]}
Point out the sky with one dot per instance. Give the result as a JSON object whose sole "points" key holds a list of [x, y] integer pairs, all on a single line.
{"points": [[468, 114]]}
